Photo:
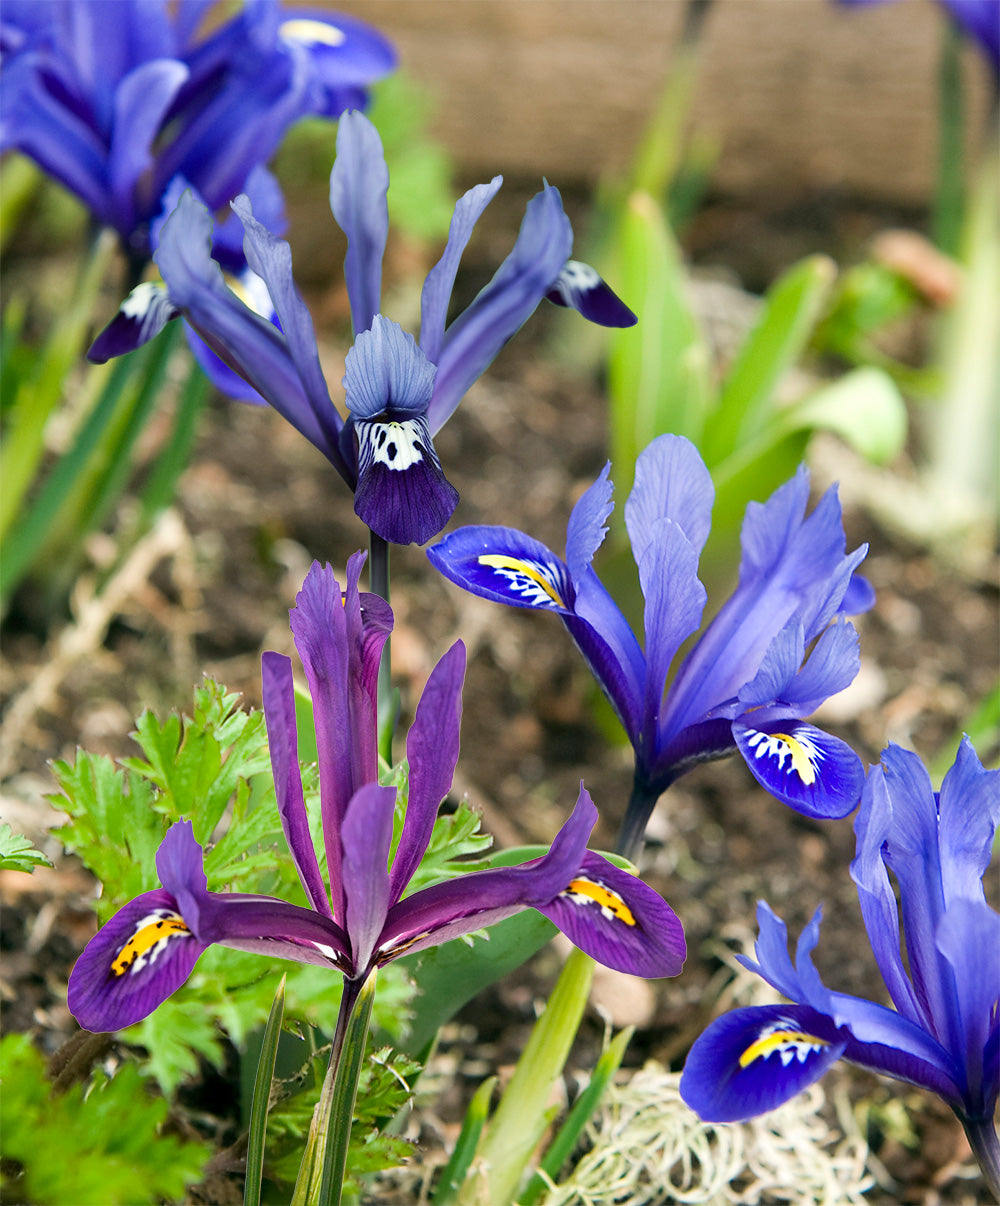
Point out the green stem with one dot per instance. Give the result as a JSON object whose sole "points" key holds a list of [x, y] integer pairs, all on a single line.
{"points": [[982, 1138], [521, 1116], [321, 1176]]}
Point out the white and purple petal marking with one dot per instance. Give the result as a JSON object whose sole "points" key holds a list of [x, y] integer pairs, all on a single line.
{"points": [[804, 767], [530, 583], [141, 317], [581, 288], [133, 963], [618, 920], [402, 492], [752, 1060]]}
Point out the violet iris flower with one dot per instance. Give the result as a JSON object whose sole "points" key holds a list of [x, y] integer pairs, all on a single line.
{"points": [[116, 99], [748, 681], [979, 19], [399, 392], [360, 917], [944, 1033]]}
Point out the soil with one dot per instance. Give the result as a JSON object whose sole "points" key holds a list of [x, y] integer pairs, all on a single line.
{"points": [[257, 505]]}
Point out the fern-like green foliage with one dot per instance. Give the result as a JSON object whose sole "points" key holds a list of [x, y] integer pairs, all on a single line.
{"points": [[106, 1145], [384, 1088], [17, 853]]}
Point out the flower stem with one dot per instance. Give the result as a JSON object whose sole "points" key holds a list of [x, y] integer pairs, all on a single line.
{"points": [[982, 1137], [521, 1117], [640, 806], [321, 1176]]}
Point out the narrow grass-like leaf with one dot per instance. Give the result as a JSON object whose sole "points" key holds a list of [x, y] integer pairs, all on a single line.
{"points": [[562, 1146], [173, 459], [460, 1160], [261, 1098], [791, 310]]}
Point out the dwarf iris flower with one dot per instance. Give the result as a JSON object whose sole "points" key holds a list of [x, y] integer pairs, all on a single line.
{"points": [[399, 391], [748, 681], [361, 916], [943, 977], [116, 99]]}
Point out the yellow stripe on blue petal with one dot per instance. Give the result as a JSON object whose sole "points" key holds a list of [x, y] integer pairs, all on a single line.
{"points": [[788, 1043], [525, 577], [802, 752], [150, 937], [588, 892]]}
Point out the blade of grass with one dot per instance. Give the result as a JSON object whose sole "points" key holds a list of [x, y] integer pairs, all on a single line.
{"points": [[261, 1098], [562, 1146], [173, 460], [460, 1160]]}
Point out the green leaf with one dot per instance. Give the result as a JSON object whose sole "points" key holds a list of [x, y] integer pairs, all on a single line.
{"points": [[746, 404], [261, 1098], [460, 1160], [565, 1142], [865, 408], [17, 853], [102, 1147], [658, 370], [448, 976]]}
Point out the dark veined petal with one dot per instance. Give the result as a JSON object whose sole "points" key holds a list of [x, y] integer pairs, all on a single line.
{"points": [[283, 743], [366, 836], [432, 746], [402, 493], [809, 770], [752, 1060], [506, 566], [618, 920], [133, 963], [359, 183], [140, 318], [471, 902], [581, 288]]}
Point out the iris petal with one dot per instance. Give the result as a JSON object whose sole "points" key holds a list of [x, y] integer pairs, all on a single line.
{"points": [[753, 1060], [581, 288], [804, 767]]}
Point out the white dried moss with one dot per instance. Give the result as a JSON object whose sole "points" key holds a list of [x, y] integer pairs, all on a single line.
{"points": [[648, 1149]]}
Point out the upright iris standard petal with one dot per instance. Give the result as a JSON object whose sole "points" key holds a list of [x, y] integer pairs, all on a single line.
{"points": [[748, 682]]}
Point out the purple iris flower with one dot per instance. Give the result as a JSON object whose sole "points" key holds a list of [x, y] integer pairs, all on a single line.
{"points": [[944, 1033], [978, 19], [116, 99], [360, 917], [777, 648], [399, 391]]}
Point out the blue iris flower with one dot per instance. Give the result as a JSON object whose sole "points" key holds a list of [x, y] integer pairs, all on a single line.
{"points": [[116, 99], [937, 949], [778, 647], [398, 391]]}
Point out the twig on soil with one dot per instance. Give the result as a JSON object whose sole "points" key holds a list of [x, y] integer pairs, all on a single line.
{"points": [[94, 615]]}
